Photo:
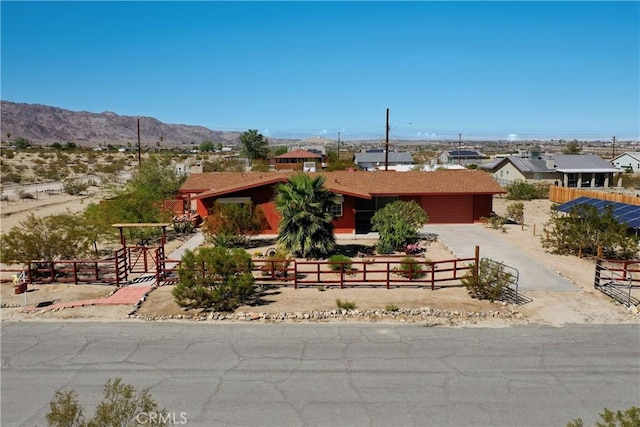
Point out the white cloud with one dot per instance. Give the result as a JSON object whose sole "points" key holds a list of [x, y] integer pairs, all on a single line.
{"points": [[265, 131], [512, 136]]}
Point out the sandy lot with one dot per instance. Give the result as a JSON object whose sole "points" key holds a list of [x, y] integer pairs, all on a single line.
{"points": [[554, 308]]}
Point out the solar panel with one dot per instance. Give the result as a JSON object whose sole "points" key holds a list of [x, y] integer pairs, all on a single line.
{"points": [[622, 212]]}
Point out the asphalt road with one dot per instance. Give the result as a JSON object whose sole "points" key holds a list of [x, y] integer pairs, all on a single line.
{"points": [[328, 374]]}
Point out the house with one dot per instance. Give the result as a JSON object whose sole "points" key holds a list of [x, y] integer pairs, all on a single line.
{"points": [[446, 196], [463, 157], [296, 159], [629, 161], [376, 158], [566, 170]]}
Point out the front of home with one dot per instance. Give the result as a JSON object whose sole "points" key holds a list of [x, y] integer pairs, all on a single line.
{"points": [[629, 161], [447, 197]]}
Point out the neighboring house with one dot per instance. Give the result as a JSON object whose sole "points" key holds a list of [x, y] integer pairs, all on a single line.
{"points": [[296, 159], [629, 161], [375, 159], [446, 196], [566, 170], [463, 157]]}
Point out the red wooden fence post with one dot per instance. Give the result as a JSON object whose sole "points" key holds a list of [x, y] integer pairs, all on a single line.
{"points": [[476, 268]]}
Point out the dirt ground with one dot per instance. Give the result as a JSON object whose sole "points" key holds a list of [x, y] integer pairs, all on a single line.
{"points": [[553, 308]]}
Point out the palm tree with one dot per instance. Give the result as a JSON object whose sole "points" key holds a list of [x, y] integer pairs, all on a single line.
{"points": [[305, 228]]}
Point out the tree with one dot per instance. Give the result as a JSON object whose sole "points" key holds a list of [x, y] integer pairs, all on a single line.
{"points": [[398, 224], [140, 201], [48, 238], [206, 146], [214, 278], [254, 145], [22, 143], [586, 231], [522, 190], [121, 406], [573, 147], [306, 227]]}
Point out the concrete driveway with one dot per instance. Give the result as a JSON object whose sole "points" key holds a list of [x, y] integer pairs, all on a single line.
{"points": [[463, 238]]}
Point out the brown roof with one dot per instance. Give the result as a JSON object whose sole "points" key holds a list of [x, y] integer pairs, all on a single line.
{"points": [[358, 183], [299, 154]]}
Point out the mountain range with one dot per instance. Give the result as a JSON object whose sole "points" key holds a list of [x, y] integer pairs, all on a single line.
{"points": [[42, 124]]}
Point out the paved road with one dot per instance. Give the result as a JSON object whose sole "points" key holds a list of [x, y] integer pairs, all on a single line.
{"points": [[463, 238], [329, 374]]}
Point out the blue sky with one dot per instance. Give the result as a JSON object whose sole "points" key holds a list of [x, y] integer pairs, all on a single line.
{"points": [[538, 70]]}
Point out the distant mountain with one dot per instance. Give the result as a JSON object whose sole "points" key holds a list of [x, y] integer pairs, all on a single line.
{"points": [[42, 124]]}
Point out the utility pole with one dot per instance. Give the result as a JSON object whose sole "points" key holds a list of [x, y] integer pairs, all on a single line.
{"points": [[338, 146], [139, 148], [613, 148], [386, 145], [459, 143]]}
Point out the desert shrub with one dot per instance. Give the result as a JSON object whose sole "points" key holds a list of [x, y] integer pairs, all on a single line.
{"points": [[515, 211], [23, 195], [74, 187], [233, 223], [391, 307], [12, 177], [278, 262], [490, 282], [119, 407], [345, 305], [585, 231], [343, 262], [214, 278], [410, 268], [183, 226], [496, 222], [522, 190], [628, 418]]}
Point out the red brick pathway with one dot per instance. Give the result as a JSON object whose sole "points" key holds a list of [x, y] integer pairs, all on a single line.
{"points": [[128, 295]]}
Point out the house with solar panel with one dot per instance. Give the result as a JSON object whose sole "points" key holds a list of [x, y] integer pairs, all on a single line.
{"points": [[461, 157], [629, 162], [565, 170]]}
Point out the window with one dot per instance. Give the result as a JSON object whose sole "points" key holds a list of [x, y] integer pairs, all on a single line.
{"points": [[336, 208]]}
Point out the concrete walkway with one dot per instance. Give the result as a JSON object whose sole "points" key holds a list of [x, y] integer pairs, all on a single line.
{"points": [[128, 295], [463, 238]]}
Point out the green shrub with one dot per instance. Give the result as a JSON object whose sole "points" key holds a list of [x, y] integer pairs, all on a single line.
{"points": [[119, 407], [410, 268], [391, 307], [214, 278], [343, 263], [522, 190], [345, 305], [515, 211], [490, 282], [628, 418]]}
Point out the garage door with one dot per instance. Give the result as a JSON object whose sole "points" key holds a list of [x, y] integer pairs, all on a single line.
{"points": [[448, 209]]}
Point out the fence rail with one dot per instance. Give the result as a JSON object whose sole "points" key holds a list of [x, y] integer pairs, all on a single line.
{"points": [[565, 194], [371, 272]]}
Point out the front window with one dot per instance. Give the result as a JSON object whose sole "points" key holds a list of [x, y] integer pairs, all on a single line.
{"points": [[335, 209]]}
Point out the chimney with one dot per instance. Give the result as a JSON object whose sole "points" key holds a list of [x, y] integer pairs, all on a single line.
{"points": [[550, 162]]}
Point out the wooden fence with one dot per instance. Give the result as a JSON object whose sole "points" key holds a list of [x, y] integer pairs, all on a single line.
{"points": [[366, 272], [565, 194]]}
